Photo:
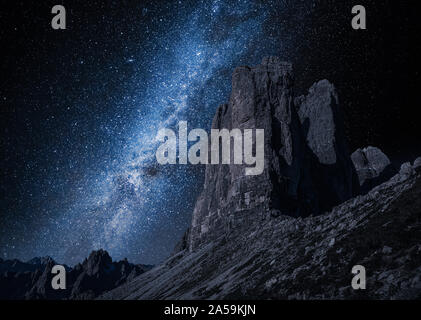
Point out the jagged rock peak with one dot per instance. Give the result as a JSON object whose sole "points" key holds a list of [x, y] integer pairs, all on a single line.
{"points": [[261, 98], [307, 168], [417, 164], [331, 169], [372, 166], [40, 260], [270, 63], [97, 261], [86, 280], [275, 63], [371, 157], [317, 113]]}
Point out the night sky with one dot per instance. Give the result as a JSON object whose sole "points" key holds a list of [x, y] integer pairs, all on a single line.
{"points": [[80, 108]]}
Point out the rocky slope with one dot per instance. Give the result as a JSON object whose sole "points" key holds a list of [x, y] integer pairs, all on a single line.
{"points": [[97, 274], [305, 258]]}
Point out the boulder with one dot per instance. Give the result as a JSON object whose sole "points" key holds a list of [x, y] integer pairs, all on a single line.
{"points": [[373, 167]]}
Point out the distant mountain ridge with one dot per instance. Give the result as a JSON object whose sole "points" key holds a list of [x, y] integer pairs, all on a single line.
{"points": [[40, 260], [95, 275], [15, 265]]}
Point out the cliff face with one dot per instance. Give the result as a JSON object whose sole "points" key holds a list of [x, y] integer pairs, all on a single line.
{"points": [[331, 171], [307, 165]]}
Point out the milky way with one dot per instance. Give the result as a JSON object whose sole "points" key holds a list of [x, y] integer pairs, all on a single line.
{"points": [[106, 189], [81, 108]]}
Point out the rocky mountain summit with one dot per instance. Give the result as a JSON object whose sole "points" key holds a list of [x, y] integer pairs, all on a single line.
{"points": [[97, 274], [373, 167], [16, 265], [296, 230], [308, 169]]}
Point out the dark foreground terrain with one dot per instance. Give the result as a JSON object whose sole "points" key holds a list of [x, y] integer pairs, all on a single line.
{"points": [[305, 258]]}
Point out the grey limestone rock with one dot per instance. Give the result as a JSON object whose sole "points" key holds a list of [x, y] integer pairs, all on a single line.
{"points": [[261, 98], [417, 164], [307, 165], [331, 169], [373, 167]]}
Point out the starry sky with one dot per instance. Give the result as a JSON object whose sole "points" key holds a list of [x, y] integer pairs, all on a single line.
{"points": [[81, 108]]}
